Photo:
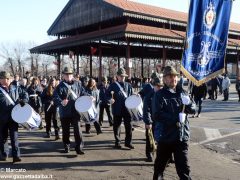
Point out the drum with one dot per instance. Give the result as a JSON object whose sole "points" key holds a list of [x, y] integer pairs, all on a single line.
{"points": [[26, 116], [85, 107], [134, 105]]}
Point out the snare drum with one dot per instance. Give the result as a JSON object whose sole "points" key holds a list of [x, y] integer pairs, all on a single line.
{"points": [[135, 106], [85, 107], [26, 116]]}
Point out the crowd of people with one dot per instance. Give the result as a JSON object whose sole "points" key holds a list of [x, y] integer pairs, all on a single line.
{"points": [[166, 106]]}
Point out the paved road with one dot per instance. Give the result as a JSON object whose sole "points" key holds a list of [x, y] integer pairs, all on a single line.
{"points": [[214, 151]]}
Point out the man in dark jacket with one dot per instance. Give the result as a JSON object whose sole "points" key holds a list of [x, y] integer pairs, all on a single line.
{"points": [[121, 90], [170, 106], [199, 93], [65, 95], [147, 115], [104, 104], [10, 95], [147, 94]]}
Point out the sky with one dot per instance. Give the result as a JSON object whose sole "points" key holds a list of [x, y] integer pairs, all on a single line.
{"points": [[29, 20]]}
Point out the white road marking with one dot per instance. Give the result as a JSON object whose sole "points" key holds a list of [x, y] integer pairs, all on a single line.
{"points": [[221, 145], [212, 133], [214, 139]]}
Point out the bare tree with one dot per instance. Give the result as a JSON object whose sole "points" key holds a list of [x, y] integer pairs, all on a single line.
{"points": [[20, 52], [5, 52]]}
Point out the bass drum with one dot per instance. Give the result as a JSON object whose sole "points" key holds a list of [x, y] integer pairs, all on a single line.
{"points": [[26, 116], [85, 107], [134, 105]]}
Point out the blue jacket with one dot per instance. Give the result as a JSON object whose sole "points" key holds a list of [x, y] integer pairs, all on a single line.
{"points": [[103, 95], [95, 94], [145, 90], [118, 107], [17, 94], [35, 102], [166, 108], [147, 94], [61, 92], [46, 99]]}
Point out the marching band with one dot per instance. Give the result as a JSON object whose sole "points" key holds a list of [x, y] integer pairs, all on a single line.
{"points": [[75, 102]]}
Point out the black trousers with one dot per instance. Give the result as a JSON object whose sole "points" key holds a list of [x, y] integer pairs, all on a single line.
{"points": [[149, 153], [214, 92], [107, 108], [180, 152], [117, 121], [198, 101], [96, 125], [238, 95], [50, 116], [66, 122], [226, 94], [12, 128]]}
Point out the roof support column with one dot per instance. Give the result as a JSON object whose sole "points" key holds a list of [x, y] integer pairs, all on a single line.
{"points": [[164, 56], [128, 68], [225, 66], [77, 63], [118, 56], [142, 62], [90, 63], [59, 65], [100, 62], [237, 73]]}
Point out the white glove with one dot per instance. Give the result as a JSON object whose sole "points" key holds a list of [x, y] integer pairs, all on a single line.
{"points": [[112, 101], [185, 99]]}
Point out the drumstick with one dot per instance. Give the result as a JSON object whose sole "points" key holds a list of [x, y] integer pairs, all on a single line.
{"points": [[49, 107], [112, 92], [33, 95]]}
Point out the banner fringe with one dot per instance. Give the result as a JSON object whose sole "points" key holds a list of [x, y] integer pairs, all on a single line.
{"points": [[206, 79]]}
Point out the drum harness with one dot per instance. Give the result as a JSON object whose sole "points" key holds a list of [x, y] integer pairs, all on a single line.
{"points": [[121, 89], [71, 91], [7, 96]]}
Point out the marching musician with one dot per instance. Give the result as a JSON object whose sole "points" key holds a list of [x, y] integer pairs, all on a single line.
{"points": [[93, 91], [9, 96], [171, 104], [117, 94], [65, 95], [34, 92], [50, 109], [150, 89], [104, 104]]}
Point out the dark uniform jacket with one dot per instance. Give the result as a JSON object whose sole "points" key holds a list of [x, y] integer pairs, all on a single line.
{"points": [[118, 107], [17, 94], [95, 94], [199, 91], [237, 86], [166, 108], [46, 99], [61, 92], [147, 94], [103, 91], [35, 102]]}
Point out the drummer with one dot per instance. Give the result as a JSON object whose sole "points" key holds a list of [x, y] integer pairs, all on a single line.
{"points": [[64, 97], [50, 109], [117, 94], [93, 91], [9, 96]]}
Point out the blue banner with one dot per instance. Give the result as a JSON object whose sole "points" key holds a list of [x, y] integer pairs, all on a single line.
{"points": [[207, 34]]}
